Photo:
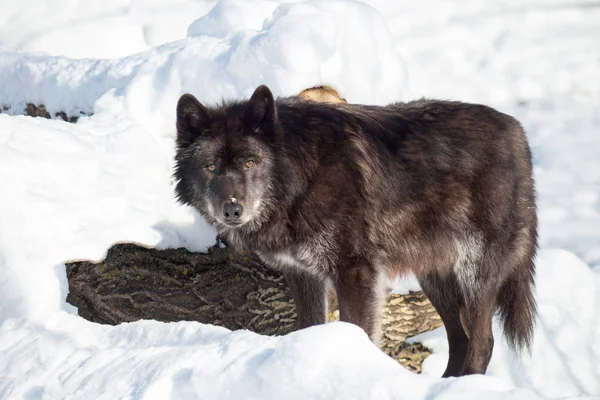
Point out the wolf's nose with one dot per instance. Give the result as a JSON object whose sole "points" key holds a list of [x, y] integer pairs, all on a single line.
{"points": [[232, 211]]}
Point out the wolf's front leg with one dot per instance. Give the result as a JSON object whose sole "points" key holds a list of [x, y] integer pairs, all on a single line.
{"points": [[310, 295], [361, 293]]}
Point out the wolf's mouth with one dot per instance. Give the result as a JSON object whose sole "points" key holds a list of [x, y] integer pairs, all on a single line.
{"points": [[232, 224]]}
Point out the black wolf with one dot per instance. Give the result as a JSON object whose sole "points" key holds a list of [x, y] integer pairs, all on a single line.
{"points": [[348, 195]]}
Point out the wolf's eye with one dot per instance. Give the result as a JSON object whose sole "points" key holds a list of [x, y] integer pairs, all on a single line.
{"points": [[249, 164], [211, 167]]}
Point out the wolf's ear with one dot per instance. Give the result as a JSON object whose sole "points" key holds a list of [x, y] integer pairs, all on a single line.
{"points": [[192, 119], [260, 111]]}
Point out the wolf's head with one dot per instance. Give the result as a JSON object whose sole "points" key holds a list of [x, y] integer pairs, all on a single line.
{"points": [[224, 163]]}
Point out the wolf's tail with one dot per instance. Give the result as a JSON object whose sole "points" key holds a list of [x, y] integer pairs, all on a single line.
{"points": [[517, 305]]}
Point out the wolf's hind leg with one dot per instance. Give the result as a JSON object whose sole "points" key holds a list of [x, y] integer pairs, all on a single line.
{"points": [[445, 295], [361, 293], [310, 295], [478, 320]]}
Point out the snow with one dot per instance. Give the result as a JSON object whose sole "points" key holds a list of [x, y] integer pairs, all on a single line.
{"points": [[106, 29], [69, 191], [228, 16]]}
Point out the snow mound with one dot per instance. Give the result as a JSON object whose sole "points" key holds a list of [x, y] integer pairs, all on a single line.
{"points": [[303, 44], [343, 43], [187, 360], [229, 16]]}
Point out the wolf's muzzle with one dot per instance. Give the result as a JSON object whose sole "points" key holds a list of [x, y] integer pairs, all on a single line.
{"points": [[232, 211]]}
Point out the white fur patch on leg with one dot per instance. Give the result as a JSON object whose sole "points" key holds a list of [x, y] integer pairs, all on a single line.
{"points": [[380, 289], [468, 261]]}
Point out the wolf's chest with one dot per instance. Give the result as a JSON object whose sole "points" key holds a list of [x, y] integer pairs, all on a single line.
{"points": [[318, 254], [282, 260], [299, 258]]}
